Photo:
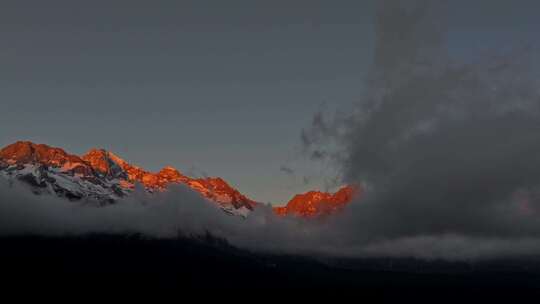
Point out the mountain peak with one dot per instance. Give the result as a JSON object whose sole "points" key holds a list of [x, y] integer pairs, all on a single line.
{"points": [[103, 175], [170, 174], [102, 162], [169, 169], [315, 203], [26, 152], [21, 151]]}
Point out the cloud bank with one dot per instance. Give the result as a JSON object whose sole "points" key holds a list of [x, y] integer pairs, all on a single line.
{"points": [[179, 211], [449, 151]]}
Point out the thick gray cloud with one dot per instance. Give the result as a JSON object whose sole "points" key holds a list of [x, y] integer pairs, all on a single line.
{"points": [[443, 147]]}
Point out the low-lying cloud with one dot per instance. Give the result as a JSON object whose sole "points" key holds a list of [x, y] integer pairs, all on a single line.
{"points": [[179, 211], [182, 212]]}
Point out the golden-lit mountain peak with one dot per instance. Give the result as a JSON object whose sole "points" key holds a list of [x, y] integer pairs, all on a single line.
{"points": [[317, 203], [169, 175], [99, 166], [100, 160], [169, 170], [25, 152]]}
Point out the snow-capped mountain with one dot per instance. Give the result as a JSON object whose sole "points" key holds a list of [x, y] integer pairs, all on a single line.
{"points": [[102, 177], [317, 203]]}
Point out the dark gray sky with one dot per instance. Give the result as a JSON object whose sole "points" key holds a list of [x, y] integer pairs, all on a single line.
{"points": [[221, 87]]}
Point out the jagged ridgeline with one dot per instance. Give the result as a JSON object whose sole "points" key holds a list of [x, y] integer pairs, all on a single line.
{"points": [[102, 177]]}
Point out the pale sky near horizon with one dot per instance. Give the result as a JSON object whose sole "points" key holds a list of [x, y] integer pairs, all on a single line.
{"points": [[210, 87]]}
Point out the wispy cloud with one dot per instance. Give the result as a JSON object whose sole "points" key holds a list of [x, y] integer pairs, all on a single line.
{"points": [[287, 170]]}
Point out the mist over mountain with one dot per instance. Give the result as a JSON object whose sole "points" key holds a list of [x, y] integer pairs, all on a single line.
{"points": [[47, 191]]}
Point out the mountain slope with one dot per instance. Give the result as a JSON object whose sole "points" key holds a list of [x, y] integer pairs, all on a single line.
{"points": [[103, 177], [316, 203]]}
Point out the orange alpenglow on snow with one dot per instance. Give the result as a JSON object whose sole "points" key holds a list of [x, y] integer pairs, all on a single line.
{"points": [[214, 189], [108, 164], [27, 152], [99, 166], [24, 152], [104, 164], [316, 203]]}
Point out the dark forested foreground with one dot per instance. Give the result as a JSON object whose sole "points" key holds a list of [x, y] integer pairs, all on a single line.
{"points": [[104, 263]]}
